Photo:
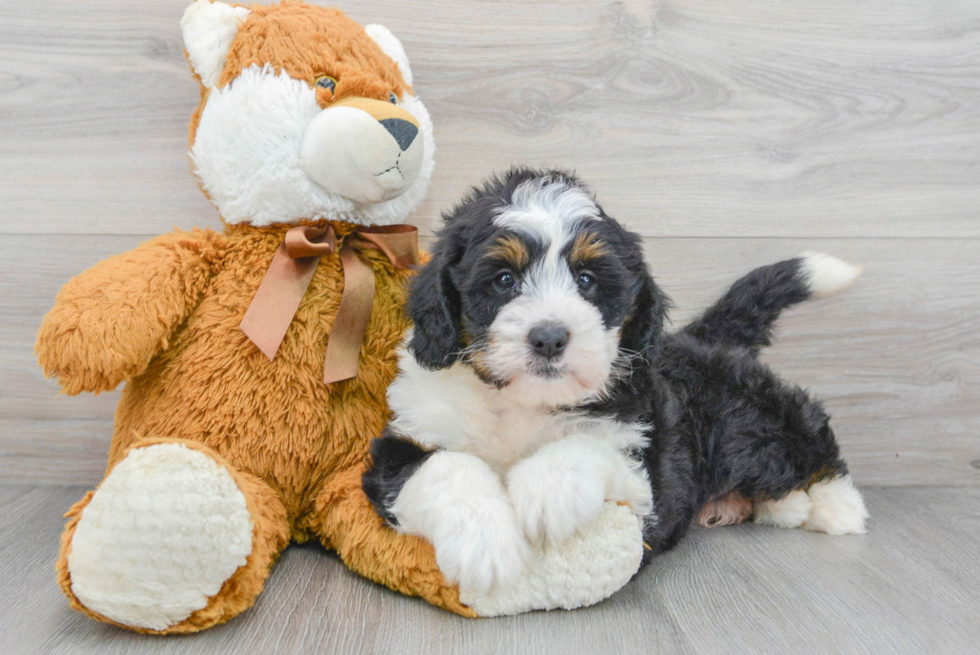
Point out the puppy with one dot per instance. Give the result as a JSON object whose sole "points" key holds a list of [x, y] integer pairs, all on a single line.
{"points": [[539, 382]]}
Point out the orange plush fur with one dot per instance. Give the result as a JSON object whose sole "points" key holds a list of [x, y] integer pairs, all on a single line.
{"points": [[165, 317]]}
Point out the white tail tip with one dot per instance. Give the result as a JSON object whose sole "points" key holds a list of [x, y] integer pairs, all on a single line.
{"points": [[826, 275]]}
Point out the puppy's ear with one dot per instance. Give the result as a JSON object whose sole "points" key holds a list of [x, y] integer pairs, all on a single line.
{"points": [[643, 328], [434, 305]]}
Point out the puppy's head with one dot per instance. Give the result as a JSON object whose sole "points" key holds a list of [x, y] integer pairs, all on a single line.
{"points": [[538, 290]]}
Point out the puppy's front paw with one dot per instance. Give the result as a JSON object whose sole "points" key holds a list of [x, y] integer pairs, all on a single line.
{"points": [[481, 548], [555, 499]]}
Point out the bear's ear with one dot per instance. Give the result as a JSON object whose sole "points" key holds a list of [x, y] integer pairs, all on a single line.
{"points": [[392, 47], [209, 28]]}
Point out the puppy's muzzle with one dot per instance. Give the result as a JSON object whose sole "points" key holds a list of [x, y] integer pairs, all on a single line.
{"points": [[548, 340], [363, 149]]}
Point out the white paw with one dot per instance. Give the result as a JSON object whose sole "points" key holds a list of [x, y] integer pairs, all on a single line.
{"points": [[555, 498], [791, 511], [458, 503], [480, 547], [837, 507], [561, 489], [825, 274], [160, 536]]}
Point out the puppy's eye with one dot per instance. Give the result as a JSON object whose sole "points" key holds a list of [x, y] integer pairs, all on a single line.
{"points": [[504, 281], [585, 281], [392, 98], [326, 82]]}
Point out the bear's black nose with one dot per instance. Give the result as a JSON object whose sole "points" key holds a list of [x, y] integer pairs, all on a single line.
{"points": [[548, 340], [403, 131]]}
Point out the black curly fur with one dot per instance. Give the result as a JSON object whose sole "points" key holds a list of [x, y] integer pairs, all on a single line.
{"points": [[720, 419], [394, 460]]}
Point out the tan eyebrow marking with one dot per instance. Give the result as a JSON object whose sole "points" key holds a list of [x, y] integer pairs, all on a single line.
{"points": [[510, 249], [587, 246]]}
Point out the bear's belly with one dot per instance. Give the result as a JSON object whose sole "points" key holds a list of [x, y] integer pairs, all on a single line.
{"points": [[276, 420]]}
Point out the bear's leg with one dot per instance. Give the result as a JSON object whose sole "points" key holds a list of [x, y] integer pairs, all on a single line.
{"points": [[173, 540], [347, 522]]}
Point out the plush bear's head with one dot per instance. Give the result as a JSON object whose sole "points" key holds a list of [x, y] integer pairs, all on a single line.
{"points": [[304, 114]]}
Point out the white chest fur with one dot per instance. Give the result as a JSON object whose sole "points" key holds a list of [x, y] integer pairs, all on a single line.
{"points": [[505, 475], [454, 410]]}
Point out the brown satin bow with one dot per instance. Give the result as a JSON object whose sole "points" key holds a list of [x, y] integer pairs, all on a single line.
{"points": [[285, 283]]}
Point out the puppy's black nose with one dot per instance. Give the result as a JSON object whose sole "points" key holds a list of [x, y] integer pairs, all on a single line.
{"points": [[548, 340], [403, 131]]}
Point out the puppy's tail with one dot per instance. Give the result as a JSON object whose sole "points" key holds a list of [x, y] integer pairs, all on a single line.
{"points": [[745, 315]]}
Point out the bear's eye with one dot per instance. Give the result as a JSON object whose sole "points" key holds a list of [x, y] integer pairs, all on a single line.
{"points": [[326, 82], [392, 98]]}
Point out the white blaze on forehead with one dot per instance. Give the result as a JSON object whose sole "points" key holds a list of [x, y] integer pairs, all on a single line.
{"points": [[550, 212], [547, 210]]}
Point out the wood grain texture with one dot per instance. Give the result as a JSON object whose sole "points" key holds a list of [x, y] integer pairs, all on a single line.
{"points": [[711, 118], [730, 134], [896, 357], [909, 586]]}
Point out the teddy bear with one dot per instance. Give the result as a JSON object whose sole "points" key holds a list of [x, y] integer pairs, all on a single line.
{"points": [[256, 360]]}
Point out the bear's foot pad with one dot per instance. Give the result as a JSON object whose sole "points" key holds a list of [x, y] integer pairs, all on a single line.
{"points": [[582, 571], [160, 536]]}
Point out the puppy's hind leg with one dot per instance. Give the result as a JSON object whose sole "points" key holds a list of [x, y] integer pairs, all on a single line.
{"points": [[832, 505], [785, 457], [824, 500], [790, 511], [837, 507], [729, 509]]}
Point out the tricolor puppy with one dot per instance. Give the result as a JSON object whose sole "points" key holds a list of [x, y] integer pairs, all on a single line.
{"points": [[539, 383]]}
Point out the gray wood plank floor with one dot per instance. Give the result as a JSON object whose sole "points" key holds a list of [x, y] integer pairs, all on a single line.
{"points": [[911, 585]]}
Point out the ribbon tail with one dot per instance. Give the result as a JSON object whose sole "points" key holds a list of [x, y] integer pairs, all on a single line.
{"points": [[350, 325], [275, 303]]}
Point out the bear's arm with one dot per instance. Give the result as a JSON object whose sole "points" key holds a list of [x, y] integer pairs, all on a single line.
{"points": [[108, 322]]}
